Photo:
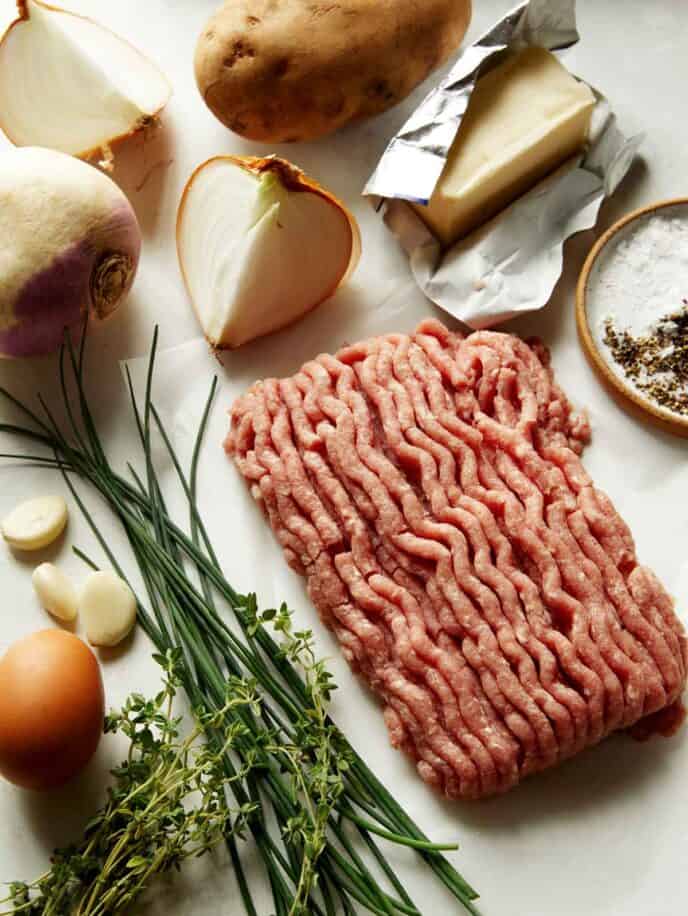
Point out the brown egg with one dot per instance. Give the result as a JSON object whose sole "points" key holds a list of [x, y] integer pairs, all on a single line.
{"points": [[51, 709]]}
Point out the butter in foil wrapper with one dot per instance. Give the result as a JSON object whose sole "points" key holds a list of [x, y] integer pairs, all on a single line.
{"points": [[511, 264]]}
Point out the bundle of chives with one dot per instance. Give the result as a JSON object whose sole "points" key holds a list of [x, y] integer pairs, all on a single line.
{"points": [[301, 773]]}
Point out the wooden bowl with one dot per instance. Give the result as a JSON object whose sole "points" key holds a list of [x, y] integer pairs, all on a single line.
{"points": [[627, 395]]}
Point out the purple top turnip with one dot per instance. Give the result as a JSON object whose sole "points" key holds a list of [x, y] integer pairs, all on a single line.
{"points": [[69, 245]]}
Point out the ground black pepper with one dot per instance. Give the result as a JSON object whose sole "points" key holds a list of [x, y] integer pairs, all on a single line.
{"points": [[657, 362]]}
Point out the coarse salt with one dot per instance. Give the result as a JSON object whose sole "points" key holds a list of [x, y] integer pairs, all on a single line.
{"points": [[639, 280], [644, 277]]}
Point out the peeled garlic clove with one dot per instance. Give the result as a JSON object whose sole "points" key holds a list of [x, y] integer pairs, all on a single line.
{"points": [[108, 609], [259, 245], [70, 84], [35, 524], [55, 591]]}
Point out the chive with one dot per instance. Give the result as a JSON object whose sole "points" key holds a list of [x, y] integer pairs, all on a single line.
{"points": [[191, 617]]}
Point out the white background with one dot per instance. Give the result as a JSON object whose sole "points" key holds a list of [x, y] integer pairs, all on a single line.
{"points": [[605, 833]]}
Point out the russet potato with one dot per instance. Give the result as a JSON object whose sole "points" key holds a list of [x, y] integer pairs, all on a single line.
{"points": [[292, 70]]}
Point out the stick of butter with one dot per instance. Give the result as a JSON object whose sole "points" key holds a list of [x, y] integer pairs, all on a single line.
{"points": [[524, 119]]}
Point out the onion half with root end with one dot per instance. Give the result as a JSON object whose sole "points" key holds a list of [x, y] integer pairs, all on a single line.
{"points": [[260, 245], [69, 247], [70, 84]]}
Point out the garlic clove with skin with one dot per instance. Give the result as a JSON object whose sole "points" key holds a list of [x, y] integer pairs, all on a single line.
{"points": [[69, 84]]}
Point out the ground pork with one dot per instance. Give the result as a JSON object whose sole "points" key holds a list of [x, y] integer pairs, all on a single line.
{"points": [[430, 489]]}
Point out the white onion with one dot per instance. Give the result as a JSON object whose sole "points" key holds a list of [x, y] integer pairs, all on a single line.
{"points": [[70, 245], [70, 84], [259, 245]]}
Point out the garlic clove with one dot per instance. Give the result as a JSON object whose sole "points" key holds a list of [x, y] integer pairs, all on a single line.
{"points": [[108, 609], [259, 246], [91, 88], [36, 523], [55, 591]]}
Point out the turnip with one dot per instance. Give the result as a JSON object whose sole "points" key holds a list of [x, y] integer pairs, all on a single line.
{"points": [[259, 245], [70, 84], [69, 246]]}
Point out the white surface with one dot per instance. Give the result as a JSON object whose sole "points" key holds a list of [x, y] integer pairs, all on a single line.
{"points": [[639, 277], [603, 835]]}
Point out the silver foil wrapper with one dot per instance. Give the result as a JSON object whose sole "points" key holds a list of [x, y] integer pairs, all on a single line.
{"points": [[512, 263]]}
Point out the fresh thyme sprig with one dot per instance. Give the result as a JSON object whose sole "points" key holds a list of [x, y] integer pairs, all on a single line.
{"points": [[168, 803], [293, 766], [318, 758]]}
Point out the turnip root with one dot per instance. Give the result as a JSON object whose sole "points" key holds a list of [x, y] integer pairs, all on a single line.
{"points": [[70, 84], [259, 245], [69, 246]]}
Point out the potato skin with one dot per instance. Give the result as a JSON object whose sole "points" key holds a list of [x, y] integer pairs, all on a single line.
{"points": [[282, 71]]}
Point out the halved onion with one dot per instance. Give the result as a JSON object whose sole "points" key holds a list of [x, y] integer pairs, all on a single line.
{"points": [[259, 245], [70, 84]]}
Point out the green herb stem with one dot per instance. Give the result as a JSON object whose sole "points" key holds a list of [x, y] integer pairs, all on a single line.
{"points": [[281, 757]]}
